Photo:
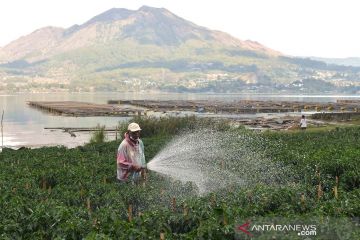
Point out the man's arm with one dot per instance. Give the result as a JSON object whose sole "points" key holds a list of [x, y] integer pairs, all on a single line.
{"points": [[122, 158]]}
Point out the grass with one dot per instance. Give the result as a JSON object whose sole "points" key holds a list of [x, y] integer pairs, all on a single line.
{"points": [[99, 135]]}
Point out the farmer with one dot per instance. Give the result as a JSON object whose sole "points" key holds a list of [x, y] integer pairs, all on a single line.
{"points": [[130, 156], [303, 123]]}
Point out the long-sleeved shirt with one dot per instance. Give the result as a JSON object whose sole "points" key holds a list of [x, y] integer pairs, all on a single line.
{"points": [[129, 153]]}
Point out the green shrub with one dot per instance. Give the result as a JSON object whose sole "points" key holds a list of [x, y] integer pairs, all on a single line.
{"points": [[98, 135], [82, 200], [151, 126]]}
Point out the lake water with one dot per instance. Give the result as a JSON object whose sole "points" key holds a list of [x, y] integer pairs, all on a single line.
{"points": [[24, 126]]}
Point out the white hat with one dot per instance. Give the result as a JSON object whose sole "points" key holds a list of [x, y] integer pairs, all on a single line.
{"points": [[133, 127]]}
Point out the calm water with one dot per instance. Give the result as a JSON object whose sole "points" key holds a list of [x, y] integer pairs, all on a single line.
{"points": [[24, 126]]}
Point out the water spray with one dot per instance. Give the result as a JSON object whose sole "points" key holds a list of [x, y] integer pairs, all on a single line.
{"points": [[214, 160]]}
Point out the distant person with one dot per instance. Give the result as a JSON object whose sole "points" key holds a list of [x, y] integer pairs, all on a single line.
{"points": [[303, 124], [130, 156]]}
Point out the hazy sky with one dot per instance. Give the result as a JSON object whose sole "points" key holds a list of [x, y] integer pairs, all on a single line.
{"points": [[323, 28]]}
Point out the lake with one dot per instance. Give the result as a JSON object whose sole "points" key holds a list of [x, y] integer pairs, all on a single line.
{"points": [[24, 126]]}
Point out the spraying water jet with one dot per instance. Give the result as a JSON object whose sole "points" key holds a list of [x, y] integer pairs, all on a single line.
{"points": [[215, 160]]}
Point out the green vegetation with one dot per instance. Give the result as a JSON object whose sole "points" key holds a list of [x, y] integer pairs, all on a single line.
{"points": [[170, 126], [99, 135], [59, 193]]}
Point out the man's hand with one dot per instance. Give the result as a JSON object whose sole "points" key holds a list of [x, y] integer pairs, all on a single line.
{"points": [[137, 168]]}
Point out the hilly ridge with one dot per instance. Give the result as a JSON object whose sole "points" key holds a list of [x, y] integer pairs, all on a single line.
{"points": [[148, 25], [152, 48]]}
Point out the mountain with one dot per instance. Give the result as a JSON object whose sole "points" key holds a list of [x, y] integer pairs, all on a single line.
{"points": [[351, 61], [152, 48], [38, 43], [148, 25]]}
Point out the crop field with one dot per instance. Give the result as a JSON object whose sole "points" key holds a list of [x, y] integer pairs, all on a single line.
{"points": [[60, 193]]}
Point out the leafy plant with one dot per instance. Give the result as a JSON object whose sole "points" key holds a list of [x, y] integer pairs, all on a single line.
{"points": [[60, 193], [98, 135]]}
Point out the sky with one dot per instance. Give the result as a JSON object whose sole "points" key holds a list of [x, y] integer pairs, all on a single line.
{"points": [[321, 28]]}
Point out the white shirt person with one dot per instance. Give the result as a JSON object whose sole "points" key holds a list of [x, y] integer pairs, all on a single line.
{"points": [[303, 123]]}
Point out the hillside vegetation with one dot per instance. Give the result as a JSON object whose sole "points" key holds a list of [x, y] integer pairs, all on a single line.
{"points": [[152, 48]]}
